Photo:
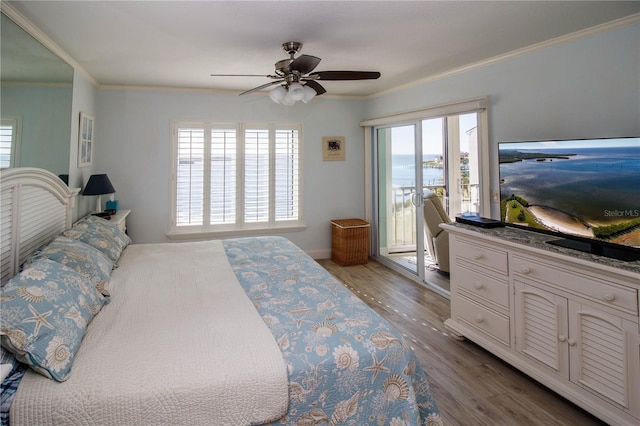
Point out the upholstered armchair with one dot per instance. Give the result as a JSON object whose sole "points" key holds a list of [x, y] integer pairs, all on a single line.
{"points": [[436, 237]]}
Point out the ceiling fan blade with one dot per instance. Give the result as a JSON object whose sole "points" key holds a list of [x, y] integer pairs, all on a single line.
{"points": [[304, 64], [316, 86], [255, 89], [345, 75]]}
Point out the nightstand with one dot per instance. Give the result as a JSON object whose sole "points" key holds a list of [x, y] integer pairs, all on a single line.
{"points": [[120, 219]]}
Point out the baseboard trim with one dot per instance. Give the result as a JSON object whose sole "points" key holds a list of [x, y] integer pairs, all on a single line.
{"points": [[319, 253]]}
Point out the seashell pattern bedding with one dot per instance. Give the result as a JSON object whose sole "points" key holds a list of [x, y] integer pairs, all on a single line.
{"points": [[346, 364]]}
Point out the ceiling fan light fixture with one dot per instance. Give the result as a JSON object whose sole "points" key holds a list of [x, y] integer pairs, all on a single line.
{"points": [[278, 94], [296, 91], [309, 94], [288, 100]]}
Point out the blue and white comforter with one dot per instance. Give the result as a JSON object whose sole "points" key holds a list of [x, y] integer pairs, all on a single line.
{"points": [[346, 364]]}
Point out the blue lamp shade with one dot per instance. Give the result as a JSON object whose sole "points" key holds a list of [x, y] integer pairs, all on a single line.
{"points": [[98, 185]]}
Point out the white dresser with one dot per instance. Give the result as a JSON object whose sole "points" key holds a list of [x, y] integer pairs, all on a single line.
{"points": [[568, 319]]}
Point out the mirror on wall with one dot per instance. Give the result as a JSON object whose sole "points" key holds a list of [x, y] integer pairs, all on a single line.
{"points": [[35, 103]]}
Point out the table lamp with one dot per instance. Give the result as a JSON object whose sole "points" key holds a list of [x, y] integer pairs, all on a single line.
{"points": [[98, 185]]}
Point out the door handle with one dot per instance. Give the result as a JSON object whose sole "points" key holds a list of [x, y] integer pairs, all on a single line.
{"points": [[417, 200]]}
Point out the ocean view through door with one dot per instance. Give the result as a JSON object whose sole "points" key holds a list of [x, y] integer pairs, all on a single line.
{"points": [[433, 155], [398, 218]]}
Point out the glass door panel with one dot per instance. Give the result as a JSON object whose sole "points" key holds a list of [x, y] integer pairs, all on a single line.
{"points": [[396, 191], [434, 167], [435, 156], [464, 165], [451, 161]]}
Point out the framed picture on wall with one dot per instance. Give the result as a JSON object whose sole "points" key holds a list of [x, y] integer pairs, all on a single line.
{"points": [[85, 140], [333, 148]]}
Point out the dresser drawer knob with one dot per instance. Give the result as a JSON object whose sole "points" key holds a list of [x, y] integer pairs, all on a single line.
{"points": [[479, 318], [571, 342], [562, 338], [609, 297], [477, 256], [478, 285], [525, 270]]}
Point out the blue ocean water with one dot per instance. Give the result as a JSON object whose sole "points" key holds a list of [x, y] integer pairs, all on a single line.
{"points": [[403, 171], [597, 185]]}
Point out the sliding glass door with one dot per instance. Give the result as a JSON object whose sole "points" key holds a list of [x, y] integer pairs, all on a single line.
{"points": [[440, 155]]}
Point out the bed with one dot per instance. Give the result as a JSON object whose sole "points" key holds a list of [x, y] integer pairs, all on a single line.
{"points": [[237, 331]]}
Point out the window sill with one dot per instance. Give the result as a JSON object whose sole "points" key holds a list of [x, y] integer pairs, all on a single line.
{"points": [[194, 234]]}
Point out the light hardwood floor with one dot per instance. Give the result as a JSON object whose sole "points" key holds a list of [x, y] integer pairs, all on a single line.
{"points": [[470, 385]]}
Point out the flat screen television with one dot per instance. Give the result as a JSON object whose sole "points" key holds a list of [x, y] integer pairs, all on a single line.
{"points": [[585, 191]]}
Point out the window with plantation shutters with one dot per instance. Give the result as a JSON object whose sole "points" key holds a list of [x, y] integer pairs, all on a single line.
{"points": [[239, 177], [9, 141]]}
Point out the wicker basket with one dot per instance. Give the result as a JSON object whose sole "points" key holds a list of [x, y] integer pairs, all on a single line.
{"points": [[349, 241]]}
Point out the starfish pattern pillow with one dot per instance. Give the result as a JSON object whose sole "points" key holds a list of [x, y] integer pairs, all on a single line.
{"points": [[46, 309]]}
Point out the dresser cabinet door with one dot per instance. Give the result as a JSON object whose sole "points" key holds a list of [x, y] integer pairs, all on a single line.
{"points": [[542, 329], [604, 355]]}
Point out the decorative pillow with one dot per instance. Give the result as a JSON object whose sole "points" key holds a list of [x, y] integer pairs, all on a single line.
{"points": [[45, 311], [101, 234], [80, 257]]}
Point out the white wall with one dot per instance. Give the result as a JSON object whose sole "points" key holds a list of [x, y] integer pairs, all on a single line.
{"points": [[84, 100], [584, 88], [133, 146]]}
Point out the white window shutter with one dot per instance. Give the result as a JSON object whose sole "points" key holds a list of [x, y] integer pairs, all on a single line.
{"points": [[287, 192], [190, 176], [224, 163], [256, 175]]}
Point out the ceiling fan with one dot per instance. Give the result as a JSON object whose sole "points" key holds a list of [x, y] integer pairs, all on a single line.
{"points": [[296, 79]]}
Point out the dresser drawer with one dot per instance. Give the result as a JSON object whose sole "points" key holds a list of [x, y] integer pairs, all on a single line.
{"points": [[476, 316], [482, 285], [480, 255], [605, 292]]}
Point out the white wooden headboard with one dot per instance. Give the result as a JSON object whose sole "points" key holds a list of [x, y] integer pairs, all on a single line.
{"points": [[34, 207]]}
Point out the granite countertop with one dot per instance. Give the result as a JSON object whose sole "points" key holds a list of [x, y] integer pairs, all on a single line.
{"points": [[540, 241]]}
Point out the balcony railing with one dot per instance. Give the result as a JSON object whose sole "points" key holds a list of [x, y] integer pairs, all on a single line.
{"points": [[403, 217]]}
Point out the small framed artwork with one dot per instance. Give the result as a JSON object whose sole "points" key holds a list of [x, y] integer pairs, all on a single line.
{"points": [[333, 148], [85, 140]]}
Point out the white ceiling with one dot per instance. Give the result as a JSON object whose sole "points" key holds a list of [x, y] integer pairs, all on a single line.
{"points": [[180, 43]]}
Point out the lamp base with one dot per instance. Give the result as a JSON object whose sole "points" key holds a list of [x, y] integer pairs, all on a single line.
{"points": [[99, 204]]}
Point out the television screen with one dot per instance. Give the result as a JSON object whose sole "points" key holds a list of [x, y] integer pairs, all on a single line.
{"points": [[589, 189]]}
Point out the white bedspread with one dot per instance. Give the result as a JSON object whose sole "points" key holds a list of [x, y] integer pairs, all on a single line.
{"points": [[179, 344]]}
